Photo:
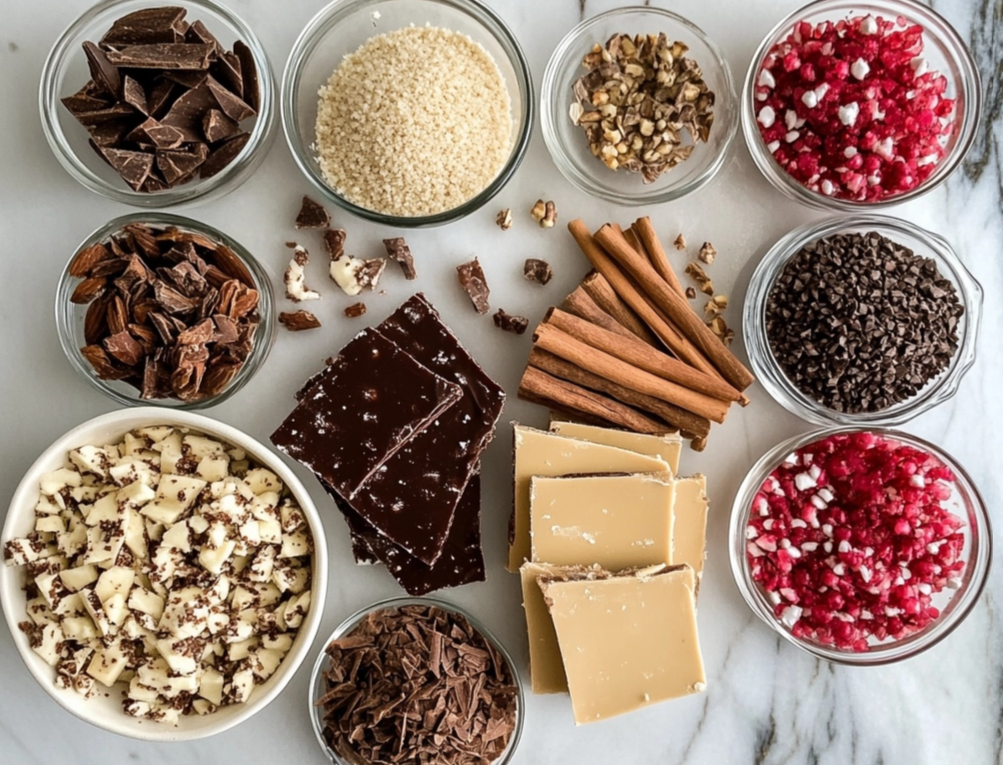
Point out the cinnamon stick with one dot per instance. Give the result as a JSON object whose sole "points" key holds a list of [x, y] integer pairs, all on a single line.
{"points": [[560, 343], [541, 388], [633, 241], [675, 306], [633, 351], [602, 292], [581, 304], [645, 232], [679, 418]]}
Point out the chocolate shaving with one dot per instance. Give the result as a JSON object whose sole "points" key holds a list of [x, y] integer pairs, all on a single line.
{"points": [[312, 215], [471, 278]]}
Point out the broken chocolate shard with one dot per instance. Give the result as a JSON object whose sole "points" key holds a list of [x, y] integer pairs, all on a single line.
{"points": [[197, 33], [187, 111], [355, 310], [150, 25], [232, 106], [133, 166], [84, 101], [471, 277], [226, 69], [536, 270], [334, 241], [223, 154], [249, 72], [312, 215], [216, 126], [175, 165], [103, 72], [515, 324], [133, 94], [165, 56], [159, 96], [124, 348], [160, 136], [113, 113], [297, 321], [398, 250]]}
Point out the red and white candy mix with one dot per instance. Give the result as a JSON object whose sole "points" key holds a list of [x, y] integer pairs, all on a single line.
{"points": [[850, 540], [850, 108]]}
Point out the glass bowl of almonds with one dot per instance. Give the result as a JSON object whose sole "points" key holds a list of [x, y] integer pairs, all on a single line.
{"points": [[638, 106], [158, 309]]}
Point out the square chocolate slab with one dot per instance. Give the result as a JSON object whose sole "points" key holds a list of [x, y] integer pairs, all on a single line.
{"points": [[361, 410]]}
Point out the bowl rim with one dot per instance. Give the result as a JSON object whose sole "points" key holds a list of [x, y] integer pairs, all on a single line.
{"points": [[773, 378], [264, 335], [557, 149], [970, 89], [330, 16], [124, 420], [399, 601], [231, 176], [977, 569]]}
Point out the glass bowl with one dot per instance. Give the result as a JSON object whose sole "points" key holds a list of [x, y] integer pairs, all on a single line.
{"points": [[567, 142], [341, 28], [943, 48], [70, 317], [964, 501], [924, 243], [66, 71], [317, 675]]}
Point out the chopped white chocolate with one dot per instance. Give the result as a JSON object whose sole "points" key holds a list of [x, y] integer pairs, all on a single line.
{"points": [[295, 277]]}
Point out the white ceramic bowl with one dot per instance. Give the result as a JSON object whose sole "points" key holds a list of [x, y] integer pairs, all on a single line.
{"points": [[106, 712]]}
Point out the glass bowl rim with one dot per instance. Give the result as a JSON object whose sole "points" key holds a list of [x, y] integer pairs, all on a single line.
{"points": [[325, 21], [978, 565], [970, 86]]}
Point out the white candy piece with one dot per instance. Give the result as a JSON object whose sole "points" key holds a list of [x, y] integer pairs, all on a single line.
{"points": [[848, 113], [868, 25], [860, 69], [809, 99], [790, 616], [767, 117], [919, 65], [766, 79]]}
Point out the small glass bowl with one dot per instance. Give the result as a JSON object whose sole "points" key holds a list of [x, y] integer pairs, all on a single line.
{"points": [[567, 142], [66, 71], [923, 243], [345, 25], [70, 317], [319, 667], [943, 48], [965, 502]]}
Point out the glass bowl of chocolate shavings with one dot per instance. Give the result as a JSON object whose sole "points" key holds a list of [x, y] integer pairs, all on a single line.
{"points": [[416, 680], [638, 106], [157, 309]]}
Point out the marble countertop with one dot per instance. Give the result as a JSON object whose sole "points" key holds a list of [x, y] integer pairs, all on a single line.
{"points": [[766, 701]]}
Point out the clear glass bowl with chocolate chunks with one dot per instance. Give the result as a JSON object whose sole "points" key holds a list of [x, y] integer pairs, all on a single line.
{"points": [[154, 308], [861, 320], [380, 649], [158, 104]]}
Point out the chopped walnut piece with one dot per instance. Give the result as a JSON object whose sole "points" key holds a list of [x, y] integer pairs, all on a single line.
{"points": [[680, 243], [695, 272], [707, 253], [691, 294], [504, 219]]}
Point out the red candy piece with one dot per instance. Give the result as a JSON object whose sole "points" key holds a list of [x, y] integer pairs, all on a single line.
{"points": [[850, 541], [849, 110]]}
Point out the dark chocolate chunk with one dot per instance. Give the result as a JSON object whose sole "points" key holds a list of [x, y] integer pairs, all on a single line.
{"points": [[103, 72], [84, 101], [361, 410], [249, 72], [232, 106], [123, 347], [175, 165], [197, 33], [536, 270], [223, 154], [158, 99], [355, 310], [471, 278], [312, 215], [160, 136], [297, 321], [134, 94], [186, 113], [398, 250], [163, 56], [226, 69], [334, 241], [133, 166], [514, 324], [114, 113], [150, 25], [108, 134], [216, 126]]}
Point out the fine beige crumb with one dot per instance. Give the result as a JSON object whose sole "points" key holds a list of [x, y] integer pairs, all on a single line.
{"points": [[415, 122]]}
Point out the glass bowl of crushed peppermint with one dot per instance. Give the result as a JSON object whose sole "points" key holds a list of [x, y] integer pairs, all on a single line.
{"points": [[860, 105], [158, 309], [861, 320], [860, 546], [415, 680], [409, 113], [638, 106]]}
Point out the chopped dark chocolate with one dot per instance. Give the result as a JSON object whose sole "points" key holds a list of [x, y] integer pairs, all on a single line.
{"points": [[471, 277], [536, 270], [103, 72], [249, 72], [297, 321], [334, 241], [355, 310], [133, 166], [162, 56], [216, 126], [176, 165], [398, 250], [361, 410], [312, 215], [223, 155], [515, 324], [164, 24], [232, 106]]}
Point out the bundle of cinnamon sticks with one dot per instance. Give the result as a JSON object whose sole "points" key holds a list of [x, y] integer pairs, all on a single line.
{"points": [[627, 349]]}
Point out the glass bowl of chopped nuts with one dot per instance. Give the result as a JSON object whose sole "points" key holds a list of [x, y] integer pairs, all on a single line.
{"points": [[861, 320], [861, 546], [638, 106], [158, 309], [433, 640], [154, 127], [201, 523], [409, 113], [860, 105]]}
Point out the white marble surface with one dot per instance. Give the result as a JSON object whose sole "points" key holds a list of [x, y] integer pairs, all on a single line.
{"points": [[766, 702]]}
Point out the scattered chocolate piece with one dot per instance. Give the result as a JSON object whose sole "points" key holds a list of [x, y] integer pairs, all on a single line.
{"points": [[398, 250], [417, 683], [536, 270], [312, 215], [334, 241], [471, 278], [295, 277], [680, 242], [707, 253], [355, 310], [504, 219], [297, 321], [156, 320], [355, 274], [514, 324]]}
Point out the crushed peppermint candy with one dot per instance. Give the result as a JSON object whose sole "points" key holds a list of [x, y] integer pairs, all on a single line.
{"points": [[855, 556], [872, 118]]}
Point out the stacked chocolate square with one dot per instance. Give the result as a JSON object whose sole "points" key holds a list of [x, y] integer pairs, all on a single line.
{"points": [[394, 428]]}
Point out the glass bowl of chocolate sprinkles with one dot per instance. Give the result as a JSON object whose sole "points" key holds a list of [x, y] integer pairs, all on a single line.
{"points": [[861, 320], [158, 104], [416, 680], [158, 309]]}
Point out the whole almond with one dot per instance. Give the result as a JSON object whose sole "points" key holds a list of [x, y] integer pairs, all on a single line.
{"points": [[86, 259], [88, 289]]}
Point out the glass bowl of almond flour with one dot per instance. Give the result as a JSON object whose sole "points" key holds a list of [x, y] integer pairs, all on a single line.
{"points": [[407, 112]]}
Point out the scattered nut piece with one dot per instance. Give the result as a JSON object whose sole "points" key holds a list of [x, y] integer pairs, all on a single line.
{"points": [[514, 324], [539, 210], [297, 321], [719, 328], [549, 216], [398, 250], [504, 219], [691, 294], [680, 243], [355, 310], [698, 275], [312, 215], [707, 253], [716, 306], [536, 270], [295, 277]]}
